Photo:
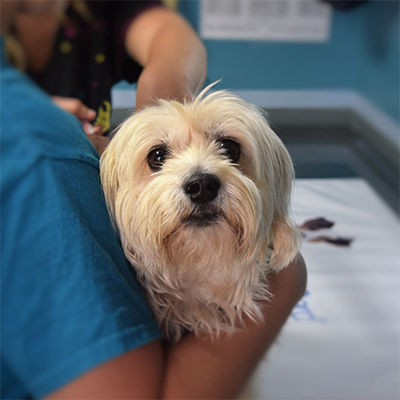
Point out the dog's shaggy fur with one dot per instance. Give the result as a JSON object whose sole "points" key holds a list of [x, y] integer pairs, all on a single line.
{"points": [[203, 265]]}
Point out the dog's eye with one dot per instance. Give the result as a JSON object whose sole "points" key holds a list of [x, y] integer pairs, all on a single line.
{"points": [[229, 148], [157, 157]]}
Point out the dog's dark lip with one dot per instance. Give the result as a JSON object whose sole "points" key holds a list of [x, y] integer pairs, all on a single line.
{"points": [[202, 217]]}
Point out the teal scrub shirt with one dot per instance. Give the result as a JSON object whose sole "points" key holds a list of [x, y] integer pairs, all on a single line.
{"points": [[69, 299]]}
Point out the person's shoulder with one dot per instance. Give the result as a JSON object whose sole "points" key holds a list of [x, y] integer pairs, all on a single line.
{"points": [[30, 120]]}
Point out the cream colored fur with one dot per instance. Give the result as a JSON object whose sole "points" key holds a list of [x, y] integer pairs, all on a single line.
{"points": [[204, 279]]}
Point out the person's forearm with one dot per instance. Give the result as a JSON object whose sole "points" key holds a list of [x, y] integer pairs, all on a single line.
{"points": [[171, 79], [193, 368], [173, 57], [203, 368]]}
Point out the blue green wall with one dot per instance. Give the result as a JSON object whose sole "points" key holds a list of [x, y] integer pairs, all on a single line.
{"points": [[362, 54]]}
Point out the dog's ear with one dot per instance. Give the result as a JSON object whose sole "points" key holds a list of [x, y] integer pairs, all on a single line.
{"points": [[109, 178], [286, 236], [274, 174]]}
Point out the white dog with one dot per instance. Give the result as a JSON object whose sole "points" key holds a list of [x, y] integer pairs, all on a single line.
{"points": [[199, 193]]}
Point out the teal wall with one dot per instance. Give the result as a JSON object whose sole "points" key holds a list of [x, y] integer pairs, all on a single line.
{"points": [[362, 54]]}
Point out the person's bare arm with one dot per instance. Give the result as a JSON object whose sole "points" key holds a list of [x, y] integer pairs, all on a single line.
{"points": [[134, 375], [194, 368], [219, 369], [173, 57]]}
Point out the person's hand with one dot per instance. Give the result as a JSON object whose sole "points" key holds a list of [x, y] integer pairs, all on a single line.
{"points": [[82, 112], [85, 115], [98, 141]]}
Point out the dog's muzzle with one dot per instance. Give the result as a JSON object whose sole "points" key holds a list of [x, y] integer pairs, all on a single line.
{"points": [[202, 188]]}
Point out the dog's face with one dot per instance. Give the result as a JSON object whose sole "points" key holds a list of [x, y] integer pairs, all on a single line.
{"points": [[195, 189]]}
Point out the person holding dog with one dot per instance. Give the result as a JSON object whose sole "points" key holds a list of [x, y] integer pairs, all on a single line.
{"points": [[74, 320]]}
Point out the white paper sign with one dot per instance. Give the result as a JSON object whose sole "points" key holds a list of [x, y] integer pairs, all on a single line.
{"points": [[286, 20]]}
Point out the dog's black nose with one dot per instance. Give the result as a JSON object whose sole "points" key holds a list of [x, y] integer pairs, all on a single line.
{"points": [[202, 187]]}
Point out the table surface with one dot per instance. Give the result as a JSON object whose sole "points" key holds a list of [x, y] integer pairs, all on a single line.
{"points": [[342, 340]]}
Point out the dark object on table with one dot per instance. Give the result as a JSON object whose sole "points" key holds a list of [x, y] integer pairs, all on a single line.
{"points": [[337, 241], [316, 224]]}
